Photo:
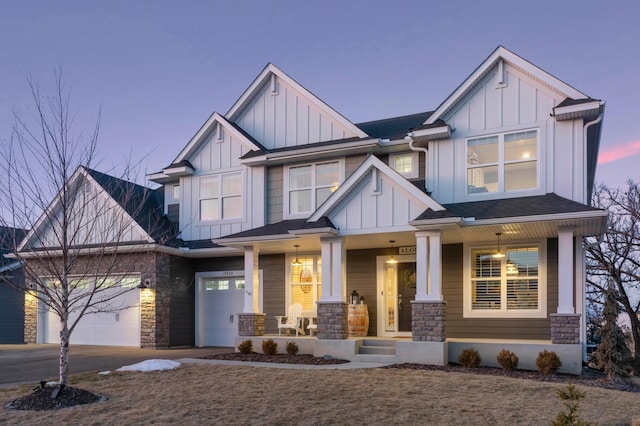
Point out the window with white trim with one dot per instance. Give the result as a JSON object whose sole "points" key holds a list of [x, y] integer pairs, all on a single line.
{"points": [[305, 281], [309, 185], [405, 163], [502, 163], [511, 285], [221, 196]]}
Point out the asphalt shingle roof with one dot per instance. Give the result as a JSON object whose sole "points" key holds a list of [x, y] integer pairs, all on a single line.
{"points": [[283, 228]]}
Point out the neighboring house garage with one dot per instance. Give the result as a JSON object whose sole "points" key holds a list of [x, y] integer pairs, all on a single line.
{"points": [[11, 315]]}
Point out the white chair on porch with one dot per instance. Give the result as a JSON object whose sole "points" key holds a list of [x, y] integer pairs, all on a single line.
{"points": [[293, 320]]}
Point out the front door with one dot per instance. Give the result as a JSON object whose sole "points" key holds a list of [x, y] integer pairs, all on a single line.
{"points": [[406, 293], [396, 289]]}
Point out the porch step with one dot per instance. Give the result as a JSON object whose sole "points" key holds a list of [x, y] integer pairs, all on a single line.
{"points": [[377, 347], [384, 359]]}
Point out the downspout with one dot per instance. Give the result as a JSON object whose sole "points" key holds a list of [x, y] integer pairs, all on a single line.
{"points": [[583, 307], [426, 159]]}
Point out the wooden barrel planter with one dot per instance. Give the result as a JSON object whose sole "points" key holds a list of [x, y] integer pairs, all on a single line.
{"points": [[358, 320]]}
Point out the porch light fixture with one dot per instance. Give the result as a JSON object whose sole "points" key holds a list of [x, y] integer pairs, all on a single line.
{"points": [[142, 285], [296, 262], [498, 254], [392, 260], [512, 269]]}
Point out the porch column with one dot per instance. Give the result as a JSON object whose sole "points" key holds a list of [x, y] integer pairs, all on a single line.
{"points": [[565, 324], [428, 266], [333, 270], [251, 321], [565, 271], [251, 280], [332, 306]]}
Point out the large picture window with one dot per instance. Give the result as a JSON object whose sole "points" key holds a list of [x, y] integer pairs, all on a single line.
{"points": [[309, 185], [221, 197], [502, 163], [509, 285], [305, 281]]}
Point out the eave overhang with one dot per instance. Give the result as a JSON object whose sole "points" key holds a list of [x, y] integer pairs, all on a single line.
{"points": [[421, 137], [318, 152], [585, 110]]}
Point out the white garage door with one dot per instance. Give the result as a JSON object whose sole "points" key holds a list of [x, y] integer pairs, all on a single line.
{"points": [[219, 299], [120, 326]]}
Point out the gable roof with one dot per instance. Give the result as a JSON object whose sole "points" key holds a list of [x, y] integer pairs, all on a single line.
{"points": [[503, 54], [268, 76], [142, 204], [215, 120], [395, 127], [372, 162]]}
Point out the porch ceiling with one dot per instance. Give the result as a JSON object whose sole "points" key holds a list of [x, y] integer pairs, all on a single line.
{"points": [[462, 232]]}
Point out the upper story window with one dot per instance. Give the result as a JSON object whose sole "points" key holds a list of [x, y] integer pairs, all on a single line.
{"points": [[175, 191], [221, 196], [511, 285], [309, 185], [406, 164], [501, 163]]}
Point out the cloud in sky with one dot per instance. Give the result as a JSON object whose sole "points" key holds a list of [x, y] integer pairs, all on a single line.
{"points": [[626, 150]]}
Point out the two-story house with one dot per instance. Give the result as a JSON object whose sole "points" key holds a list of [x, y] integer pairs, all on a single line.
{"points": [[459, 227]]}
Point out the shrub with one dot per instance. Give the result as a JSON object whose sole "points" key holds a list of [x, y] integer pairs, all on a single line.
{"points": [[469, 358], [507, 360], [548, 362], [269, 347], [572, 396], [292, 348], [245, 347]]}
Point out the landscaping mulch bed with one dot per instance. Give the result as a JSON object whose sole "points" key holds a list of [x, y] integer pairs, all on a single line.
{"points": [[41, 399], [278, 358]]}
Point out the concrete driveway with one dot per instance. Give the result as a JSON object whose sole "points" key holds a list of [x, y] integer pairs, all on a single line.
{"points": [[31, 363]]}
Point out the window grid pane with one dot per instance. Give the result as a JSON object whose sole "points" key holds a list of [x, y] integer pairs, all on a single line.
{"points": [[300, 177]]}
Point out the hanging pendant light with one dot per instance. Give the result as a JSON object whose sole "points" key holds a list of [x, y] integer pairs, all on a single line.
{"points": [[498, 254], [296, 262], [392, 260]]}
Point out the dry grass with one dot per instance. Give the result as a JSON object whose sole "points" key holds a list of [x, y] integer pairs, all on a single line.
{"points": [[215, 394]]}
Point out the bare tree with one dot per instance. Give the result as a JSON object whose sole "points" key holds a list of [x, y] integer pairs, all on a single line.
{"points": [[615, 258], [79, 223]]}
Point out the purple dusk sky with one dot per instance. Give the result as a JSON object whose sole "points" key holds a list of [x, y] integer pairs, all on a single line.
{"points": [[160, 68]]}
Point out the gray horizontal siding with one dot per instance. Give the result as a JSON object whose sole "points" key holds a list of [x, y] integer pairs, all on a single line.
{"points": [[11, 315]]}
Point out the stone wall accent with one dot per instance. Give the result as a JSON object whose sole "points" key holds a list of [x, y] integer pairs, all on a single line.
{"points": [[155, 303], [30, 317], [428, 321], [565, 328], [332, 320], [251, 324]]}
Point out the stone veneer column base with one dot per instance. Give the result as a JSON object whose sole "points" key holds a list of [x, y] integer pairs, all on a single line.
{"points": [[428, 321], [30, 317], [251, 324], [332, 320], [565, 328]]}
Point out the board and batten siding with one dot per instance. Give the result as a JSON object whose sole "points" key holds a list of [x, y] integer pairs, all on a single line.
{"points": [[375, 206], [457, 326], [212, 158], [490, 108], [288, 118]]}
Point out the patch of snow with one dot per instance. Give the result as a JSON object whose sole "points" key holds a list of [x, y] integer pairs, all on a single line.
{"points": [[52, 383], [105, 373], [151, 365]]}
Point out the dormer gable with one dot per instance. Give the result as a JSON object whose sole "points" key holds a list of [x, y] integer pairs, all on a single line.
{"points": [[498, 58], [278, 112], [374, 196]]}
